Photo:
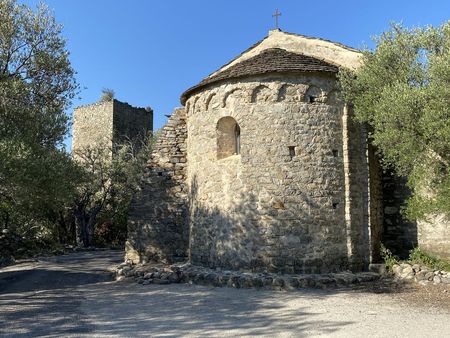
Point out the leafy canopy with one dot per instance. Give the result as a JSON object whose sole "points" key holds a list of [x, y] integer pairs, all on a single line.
{"points": [[402, 91], [36, 86]]}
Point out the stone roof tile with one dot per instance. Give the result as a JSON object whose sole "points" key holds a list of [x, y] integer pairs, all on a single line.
{"points": [[272, 60]]}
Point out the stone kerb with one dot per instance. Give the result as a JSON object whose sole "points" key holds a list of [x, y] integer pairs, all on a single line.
{"points": [[146, 274], [420, 274]]}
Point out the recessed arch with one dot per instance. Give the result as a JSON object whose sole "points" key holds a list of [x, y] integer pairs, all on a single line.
{"points": [[261, 93], [313, 94], [208, 100], [228, 137]]}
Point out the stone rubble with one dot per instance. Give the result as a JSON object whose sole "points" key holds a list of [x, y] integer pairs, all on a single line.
{"points": [[149, 273], [420, 274]]}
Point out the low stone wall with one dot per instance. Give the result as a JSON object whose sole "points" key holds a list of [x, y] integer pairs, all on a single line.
{"points": [[186, 273], [420, 274]]}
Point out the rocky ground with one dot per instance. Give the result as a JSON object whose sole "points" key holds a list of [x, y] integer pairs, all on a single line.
{"points": [[74, 295], [412, 283], [186, 273]]}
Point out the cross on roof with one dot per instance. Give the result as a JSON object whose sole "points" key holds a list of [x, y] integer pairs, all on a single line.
{"points": [[276, 15]]}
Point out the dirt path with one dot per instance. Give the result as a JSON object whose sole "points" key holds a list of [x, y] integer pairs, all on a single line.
{"points": [[73, 296]]}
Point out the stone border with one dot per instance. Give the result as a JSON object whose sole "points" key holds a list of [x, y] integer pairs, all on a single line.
{"points": [[146, 274], [420, 274]]}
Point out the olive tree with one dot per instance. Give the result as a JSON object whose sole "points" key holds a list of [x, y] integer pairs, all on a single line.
{"points": [[37, 85], [112, 175], [402, 91]]}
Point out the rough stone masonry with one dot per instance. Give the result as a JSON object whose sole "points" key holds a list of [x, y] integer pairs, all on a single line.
{"points": [[263, 170]]}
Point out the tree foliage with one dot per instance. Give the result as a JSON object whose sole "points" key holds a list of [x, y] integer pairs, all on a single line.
{"points": [[402, 91], [112, 176], [36, 87]]}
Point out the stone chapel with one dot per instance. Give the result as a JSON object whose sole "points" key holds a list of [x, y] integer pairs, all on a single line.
{"points": [[263, 169]]}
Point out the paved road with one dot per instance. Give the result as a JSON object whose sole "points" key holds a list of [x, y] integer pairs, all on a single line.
{"points": [[73, 296]]}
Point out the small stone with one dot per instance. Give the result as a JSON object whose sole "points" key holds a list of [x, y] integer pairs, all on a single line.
{"points": [[397, 270], [290, 283], [129, 273], [436, 279], [147, 281], [324, 282], [278, 281], [302, 281], [429, 275], [407, 273], [421, 275], [445, 280]]}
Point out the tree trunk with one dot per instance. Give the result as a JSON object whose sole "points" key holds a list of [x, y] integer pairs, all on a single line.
{"points": [[85, 227]]}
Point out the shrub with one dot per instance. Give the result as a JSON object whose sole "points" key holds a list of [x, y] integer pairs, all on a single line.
{"points": [[418, 256]]}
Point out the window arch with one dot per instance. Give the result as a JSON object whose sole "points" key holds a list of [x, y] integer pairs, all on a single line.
{"points": [[313, 94], [228, 137]]}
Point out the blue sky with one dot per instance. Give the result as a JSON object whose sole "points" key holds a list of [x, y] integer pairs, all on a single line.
{"points": [[149, 52]]}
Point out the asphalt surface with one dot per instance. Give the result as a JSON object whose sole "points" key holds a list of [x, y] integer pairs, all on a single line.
{"points": [[74, 296]]}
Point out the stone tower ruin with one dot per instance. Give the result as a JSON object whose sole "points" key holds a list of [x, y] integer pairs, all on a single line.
{"points": [[110, 123]]}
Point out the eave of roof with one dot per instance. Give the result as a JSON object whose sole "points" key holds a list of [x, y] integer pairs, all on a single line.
{"points": [[332, 53], [272, 60]]}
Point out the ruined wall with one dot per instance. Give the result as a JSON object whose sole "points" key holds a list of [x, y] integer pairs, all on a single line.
{"points": [[157, 219], [280, 204], [110, 123], [131, 123], [92, 124]]}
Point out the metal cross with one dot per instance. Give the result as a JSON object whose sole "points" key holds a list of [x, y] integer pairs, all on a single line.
{"points": [[276, 15]]}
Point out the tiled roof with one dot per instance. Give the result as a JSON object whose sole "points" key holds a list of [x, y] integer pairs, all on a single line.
{"points": [[273, 60]]}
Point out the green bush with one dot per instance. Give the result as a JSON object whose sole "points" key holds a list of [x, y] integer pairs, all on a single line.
{"points": [[418, 256]]}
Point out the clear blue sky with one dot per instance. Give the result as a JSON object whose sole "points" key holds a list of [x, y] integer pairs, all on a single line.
{"points": [[149, 52]]}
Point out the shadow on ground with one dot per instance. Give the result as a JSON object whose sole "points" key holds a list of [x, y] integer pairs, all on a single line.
{"points": [[178, 309], [72, 296]]}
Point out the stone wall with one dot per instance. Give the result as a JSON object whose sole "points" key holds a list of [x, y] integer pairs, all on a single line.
{"points": [[157, 219], [280, 204], [400, 235], [356, 191], [131, 123], [376, 208], [110, 123], [434, 236], [92, 124]]}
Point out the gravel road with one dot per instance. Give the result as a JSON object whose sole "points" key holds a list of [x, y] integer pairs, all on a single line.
{"points": [[73, 296]]}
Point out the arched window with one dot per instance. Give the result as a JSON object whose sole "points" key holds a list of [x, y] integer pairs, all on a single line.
{"points": [[313, 94], [228, 137]]}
